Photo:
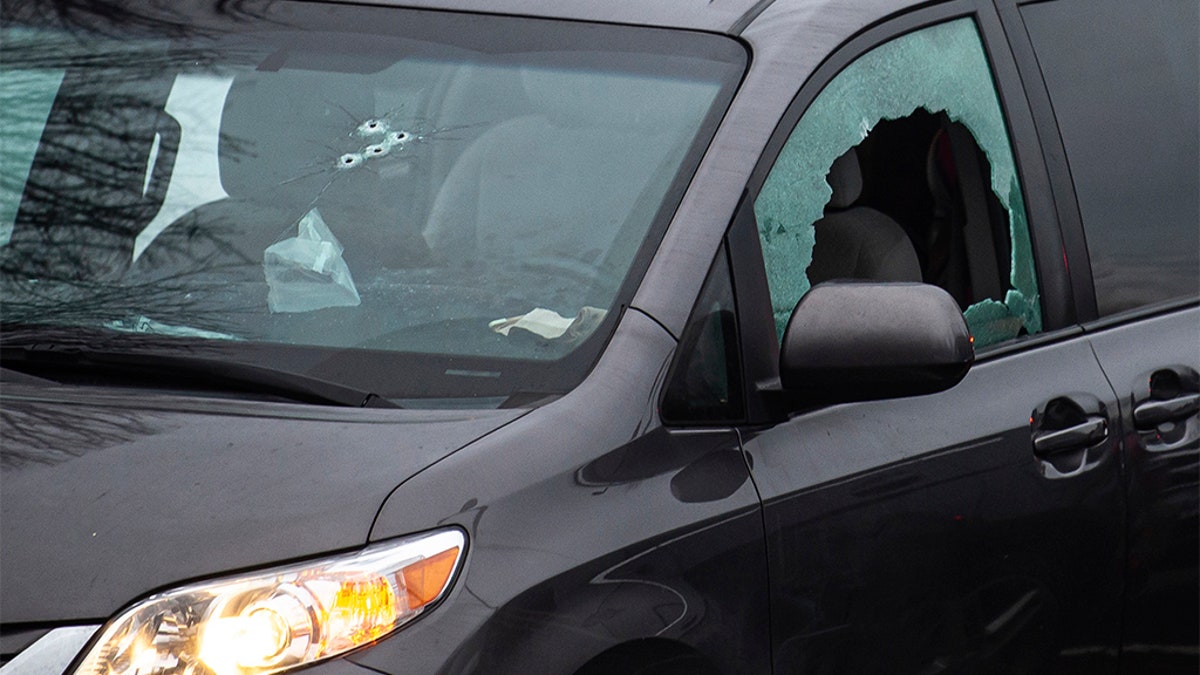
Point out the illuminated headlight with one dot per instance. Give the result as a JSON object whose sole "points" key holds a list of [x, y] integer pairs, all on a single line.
{"points": [[270, 621]]}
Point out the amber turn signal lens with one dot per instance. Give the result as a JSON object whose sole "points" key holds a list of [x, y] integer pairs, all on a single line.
{"points": [[425, 580]]}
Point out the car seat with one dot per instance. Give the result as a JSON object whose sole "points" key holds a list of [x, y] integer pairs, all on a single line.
{"points": [[561, 181], [858, 242]]}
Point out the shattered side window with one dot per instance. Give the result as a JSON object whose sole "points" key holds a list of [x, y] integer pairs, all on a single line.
{"points": [[920, 137]]}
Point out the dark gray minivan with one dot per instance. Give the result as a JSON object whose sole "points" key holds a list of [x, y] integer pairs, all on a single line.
{"points": [[581, 337]]}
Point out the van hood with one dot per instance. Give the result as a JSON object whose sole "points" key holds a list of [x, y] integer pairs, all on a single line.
{"points": [[105, 499]]}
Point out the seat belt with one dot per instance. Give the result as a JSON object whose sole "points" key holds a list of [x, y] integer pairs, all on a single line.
{"points": [[977, 230]]}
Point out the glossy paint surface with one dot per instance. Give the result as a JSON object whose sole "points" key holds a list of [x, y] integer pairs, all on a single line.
{"points": [[591, 526], [1157, 360], [925, 531], [106, 499]]}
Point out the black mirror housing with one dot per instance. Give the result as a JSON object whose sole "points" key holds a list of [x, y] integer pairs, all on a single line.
{"points": [[858, 341]]}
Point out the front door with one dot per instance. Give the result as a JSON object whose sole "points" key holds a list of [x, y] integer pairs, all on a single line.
{"points": [[974, 530]]}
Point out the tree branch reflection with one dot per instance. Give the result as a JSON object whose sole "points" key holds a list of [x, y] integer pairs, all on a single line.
{"points": [[40, 434], [86, 88]]}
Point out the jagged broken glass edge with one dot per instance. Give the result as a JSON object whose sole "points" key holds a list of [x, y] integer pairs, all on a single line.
{"points": [[939, 69]]}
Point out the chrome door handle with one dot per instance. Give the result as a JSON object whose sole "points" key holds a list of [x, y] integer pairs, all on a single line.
{"points": [[1153, 413], [1094, 430]]}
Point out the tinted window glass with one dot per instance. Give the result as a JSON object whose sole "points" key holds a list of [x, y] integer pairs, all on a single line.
{"points": [[705, 384], [1123, 80]]}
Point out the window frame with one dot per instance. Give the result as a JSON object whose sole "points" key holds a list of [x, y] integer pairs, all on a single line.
{"points": [[760, 358]]}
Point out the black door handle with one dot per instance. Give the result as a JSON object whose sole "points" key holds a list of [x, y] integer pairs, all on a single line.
{"points": [[1090, 432], [1154, 412]]}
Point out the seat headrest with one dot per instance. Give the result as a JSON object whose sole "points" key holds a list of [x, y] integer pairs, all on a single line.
{"points": [[845, 178], [862, 243]]}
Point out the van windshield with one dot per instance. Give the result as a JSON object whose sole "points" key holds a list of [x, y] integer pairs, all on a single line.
{"points": [[423, 204]]}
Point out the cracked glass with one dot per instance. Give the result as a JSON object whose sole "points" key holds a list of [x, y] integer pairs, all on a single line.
{"points": [[407, 183], [921, 90]]}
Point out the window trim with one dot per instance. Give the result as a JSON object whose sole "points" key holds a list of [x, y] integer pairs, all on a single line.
{"points": [[1061, 185]]}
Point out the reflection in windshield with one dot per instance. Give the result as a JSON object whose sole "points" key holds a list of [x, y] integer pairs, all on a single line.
{"points": [[197, 177]]}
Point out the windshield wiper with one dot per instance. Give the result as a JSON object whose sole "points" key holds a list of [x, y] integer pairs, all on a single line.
{"points": [[65, 363]]}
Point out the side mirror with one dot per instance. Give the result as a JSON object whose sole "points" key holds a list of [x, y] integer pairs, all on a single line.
{"points": [[859, 341]]}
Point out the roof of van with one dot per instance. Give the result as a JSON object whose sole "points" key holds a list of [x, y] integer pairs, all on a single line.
{"points": [[708, 15]]}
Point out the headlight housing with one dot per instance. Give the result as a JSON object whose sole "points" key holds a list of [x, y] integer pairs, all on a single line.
{"points": [[270, 621]]}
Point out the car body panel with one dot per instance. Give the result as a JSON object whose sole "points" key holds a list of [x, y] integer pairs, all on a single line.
{"points": [[674, 513], [87, 484], [899, 536], [1163, 488]]}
